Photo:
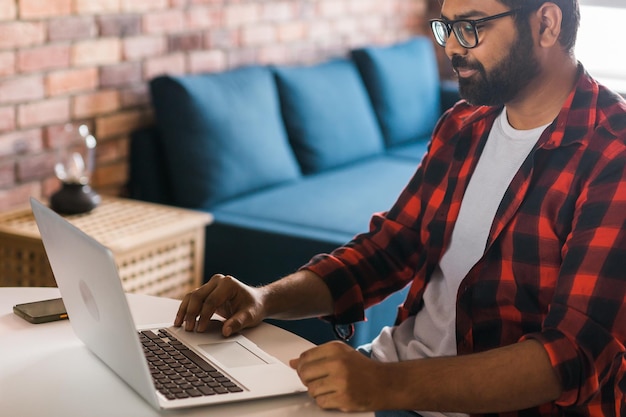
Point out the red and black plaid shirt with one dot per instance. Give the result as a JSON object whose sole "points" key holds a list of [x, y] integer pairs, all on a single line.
{"points": [[554, 267]]}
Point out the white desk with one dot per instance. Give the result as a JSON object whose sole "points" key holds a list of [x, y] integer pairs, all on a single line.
{"points": [[45, 368]]}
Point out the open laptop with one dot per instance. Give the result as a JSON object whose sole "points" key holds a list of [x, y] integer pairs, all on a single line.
{"points": [[186, 368]]}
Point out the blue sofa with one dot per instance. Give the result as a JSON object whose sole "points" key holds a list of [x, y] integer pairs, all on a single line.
{"points": [[291, 161]]}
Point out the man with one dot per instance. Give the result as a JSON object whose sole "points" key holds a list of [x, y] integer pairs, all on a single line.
{"points": [[512, 235]]}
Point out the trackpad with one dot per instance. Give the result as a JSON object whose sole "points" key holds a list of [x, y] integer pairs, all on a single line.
{"points": [[232, 354]]}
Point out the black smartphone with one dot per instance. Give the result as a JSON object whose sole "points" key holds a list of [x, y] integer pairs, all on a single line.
{"points": [[42, 311]]}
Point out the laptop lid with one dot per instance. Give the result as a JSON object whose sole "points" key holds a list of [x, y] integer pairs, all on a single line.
{"points": [[88, 279]]}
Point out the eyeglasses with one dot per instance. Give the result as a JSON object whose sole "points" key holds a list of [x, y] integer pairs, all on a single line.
{"points": [[465, 30]]}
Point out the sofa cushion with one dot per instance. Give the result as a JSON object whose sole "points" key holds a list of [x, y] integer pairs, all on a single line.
{"points": [[331, 207], [222, 134], [328, 115], [403, 83]]}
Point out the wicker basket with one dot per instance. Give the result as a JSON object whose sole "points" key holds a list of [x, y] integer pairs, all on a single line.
{"points": [[159, 250]]}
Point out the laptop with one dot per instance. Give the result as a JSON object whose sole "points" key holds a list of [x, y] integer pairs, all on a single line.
{"points": [[167, 366]]}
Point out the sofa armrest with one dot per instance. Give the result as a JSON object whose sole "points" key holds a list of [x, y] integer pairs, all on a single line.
{"points": [[449, 94], [148, 176]]}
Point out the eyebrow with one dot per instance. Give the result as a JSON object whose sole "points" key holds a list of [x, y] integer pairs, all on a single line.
{"points": [[472, 14]]}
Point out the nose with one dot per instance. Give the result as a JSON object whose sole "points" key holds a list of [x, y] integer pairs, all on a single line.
{"points": [[453, 47]]}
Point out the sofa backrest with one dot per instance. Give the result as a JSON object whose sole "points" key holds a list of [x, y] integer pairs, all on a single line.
{"points": [[403, 84]]}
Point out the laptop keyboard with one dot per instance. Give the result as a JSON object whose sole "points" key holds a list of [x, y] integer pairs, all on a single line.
{"points": [[179, 372]]}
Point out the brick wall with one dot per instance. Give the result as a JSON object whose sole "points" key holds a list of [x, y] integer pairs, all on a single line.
{"points": [[88, 61]]}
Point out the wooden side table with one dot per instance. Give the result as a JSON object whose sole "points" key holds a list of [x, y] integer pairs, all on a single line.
{"points": [[159, 249]]}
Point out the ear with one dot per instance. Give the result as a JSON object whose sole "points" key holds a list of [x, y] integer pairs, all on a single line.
{"points": [[550, 17]]}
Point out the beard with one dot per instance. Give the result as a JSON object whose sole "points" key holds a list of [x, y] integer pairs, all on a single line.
{"points": [[506, 80]]}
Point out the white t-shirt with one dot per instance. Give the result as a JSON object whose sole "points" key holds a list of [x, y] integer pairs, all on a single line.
{"points": [[431, 332]]}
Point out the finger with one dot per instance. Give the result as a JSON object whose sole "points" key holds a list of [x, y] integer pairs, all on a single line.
{"points": [[182, 310], [321, 387], [323, 351], [196, 302], [309, 371], [239, 321], [219, 296]]}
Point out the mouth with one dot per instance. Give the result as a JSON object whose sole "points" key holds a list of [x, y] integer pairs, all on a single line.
{"points": [[465, 72]]}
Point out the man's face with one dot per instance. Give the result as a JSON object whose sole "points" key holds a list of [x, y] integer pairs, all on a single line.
{"points": [[498, 69]]}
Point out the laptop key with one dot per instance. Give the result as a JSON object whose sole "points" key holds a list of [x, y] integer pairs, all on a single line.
{"points": [[195, 358]]}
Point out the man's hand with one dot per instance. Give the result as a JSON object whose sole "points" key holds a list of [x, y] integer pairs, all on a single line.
{"points": [[239, 304], [339, 377]]}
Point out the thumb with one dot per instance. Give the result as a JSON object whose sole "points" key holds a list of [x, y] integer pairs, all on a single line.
{"points": [[235, 324], [293, 363]]}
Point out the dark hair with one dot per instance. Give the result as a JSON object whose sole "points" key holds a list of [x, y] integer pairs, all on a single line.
{"points": [[571, 17]]}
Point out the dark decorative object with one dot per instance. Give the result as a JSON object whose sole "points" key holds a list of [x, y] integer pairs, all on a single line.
{"points": [[74, 198], [75, 195]]}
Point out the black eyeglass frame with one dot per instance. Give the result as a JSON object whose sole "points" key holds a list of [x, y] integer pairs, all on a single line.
{"points": [[450, 28]]}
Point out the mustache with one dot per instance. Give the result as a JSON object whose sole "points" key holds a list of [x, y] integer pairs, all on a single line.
{"points": [[462, 62]]}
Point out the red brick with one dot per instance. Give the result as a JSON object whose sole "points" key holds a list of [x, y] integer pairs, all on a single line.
{"points": [[119, 25], [43, 58], [223, 38], [184, 42], [207, 61], [7, 63], [95, 52], [21, 142], [13, 90], [169, 21], [112, 150], [241, 14], [281, 11], [71, 81], [36, 166], [96, 6], [93, 104], [7, 174], [137, 95], [242, 57], [204, 17], [320, 29], [120, 75], [332, 8], [111, 175], [345, 26], [121, 123], [8, 11], [372, 24], [143, 46], [168, 64], [43, 112], [258, 35], [274, 54], [7, 118], [291, 31], [71, 28], [20, 34], [18, 196], [364, 6], [36, 9], [143, 5]]}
